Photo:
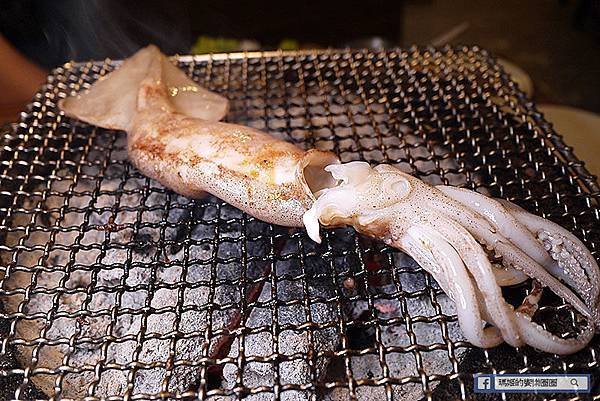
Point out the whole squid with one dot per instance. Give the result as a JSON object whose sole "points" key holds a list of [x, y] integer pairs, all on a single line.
{"points": [[175, 137]]}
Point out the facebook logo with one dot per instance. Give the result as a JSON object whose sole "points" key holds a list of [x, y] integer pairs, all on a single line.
{"points": [[484, 383], [532, 383]]}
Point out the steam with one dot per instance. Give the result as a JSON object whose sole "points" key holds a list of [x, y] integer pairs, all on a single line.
{"points": [[97, 29]]}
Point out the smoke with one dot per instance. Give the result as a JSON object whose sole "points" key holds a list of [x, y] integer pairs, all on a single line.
{"points": [[53, 32]]}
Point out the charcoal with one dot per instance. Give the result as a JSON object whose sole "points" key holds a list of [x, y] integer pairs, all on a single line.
{"points": [[147, 277], [403, 364], [143, 281], [295, 344]]}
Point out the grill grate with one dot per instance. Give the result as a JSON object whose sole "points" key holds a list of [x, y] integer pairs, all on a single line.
{"points": [[116, 287]]}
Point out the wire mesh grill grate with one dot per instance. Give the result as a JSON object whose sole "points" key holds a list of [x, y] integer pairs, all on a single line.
{"points": [[114, 287]]}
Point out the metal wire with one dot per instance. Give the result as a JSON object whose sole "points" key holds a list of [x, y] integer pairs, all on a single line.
{"points": [[114, 287]]}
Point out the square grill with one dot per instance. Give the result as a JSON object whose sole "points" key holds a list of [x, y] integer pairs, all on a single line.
{"points": [[114, 287]]}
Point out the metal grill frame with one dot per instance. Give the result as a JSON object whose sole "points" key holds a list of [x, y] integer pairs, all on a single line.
{"points": [[429, 107]]}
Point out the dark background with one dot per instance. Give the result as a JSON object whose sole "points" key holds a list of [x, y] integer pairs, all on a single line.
{"points": [[52, 32], [556, 42]]}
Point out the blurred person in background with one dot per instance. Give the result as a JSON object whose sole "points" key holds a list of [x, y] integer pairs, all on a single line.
{"points": [[19, 79]]}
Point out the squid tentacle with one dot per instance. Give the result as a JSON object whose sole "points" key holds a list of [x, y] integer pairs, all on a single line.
{"points": [[575, 265], [389, 204], [454, 280], [566, 257], [511, 253], [516, 257], [532, 333], [501, 221], [479, 266], [529, 331], [535, 235]]}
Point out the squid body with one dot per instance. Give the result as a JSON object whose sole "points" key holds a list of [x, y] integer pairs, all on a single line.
{"points": [[175, 137]]}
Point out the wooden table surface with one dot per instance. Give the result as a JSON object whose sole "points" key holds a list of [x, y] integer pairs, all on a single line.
{"points": [[580, 129]]}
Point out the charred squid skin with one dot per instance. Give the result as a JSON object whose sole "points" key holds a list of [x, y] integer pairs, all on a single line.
{"points": [[451, 274]]}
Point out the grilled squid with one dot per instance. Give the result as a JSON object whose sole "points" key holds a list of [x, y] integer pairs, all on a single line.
{"points": [[175, 137]]}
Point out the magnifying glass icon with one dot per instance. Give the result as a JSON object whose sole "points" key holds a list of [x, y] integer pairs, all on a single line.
{"points": [[574, 382]]}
